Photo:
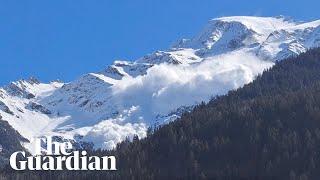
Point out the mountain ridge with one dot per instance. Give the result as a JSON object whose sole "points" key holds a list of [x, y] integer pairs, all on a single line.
{"points": [[126, 98]]}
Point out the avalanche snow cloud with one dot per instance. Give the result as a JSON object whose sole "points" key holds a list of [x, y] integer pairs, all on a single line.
{"points": [[127, 97], [166, 88]]}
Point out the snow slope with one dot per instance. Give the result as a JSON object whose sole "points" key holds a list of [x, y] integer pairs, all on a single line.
{"points": [[127, 97]]}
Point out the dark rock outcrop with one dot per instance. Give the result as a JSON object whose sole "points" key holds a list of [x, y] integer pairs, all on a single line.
{"points": [[10, 142], [38, 107]]}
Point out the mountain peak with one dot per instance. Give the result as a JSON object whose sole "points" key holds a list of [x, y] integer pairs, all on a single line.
{"points": [[128, 96], [288, 19], [33, 80]]}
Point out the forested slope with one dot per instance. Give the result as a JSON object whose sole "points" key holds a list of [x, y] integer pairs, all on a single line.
{"points": [[269, 129]]}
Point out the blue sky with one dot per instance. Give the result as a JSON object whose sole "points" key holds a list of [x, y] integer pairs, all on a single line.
{"points": [[63, 39]]}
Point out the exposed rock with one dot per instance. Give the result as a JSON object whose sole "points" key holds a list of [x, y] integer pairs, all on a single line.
{"points": [[38, 107], [33, 80], [19, 89], [5, 108], [10, 142]]}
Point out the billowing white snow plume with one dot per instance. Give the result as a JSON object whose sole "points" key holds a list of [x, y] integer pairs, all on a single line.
{"points": [[127, 97]]}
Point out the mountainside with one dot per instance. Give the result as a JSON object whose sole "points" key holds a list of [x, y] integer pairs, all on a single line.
{"points": [[268, 129], [127, 97], [10, 142]]}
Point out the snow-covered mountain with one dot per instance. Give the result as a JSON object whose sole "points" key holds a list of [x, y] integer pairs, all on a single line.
{"points": [[127, 97]]}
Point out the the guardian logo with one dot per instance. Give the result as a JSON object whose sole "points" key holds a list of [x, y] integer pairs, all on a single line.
{"points": [[59, 156]]}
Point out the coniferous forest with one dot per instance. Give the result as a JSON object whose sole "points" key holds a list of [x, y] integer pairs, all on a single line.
{"points": [[269, 129]]}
